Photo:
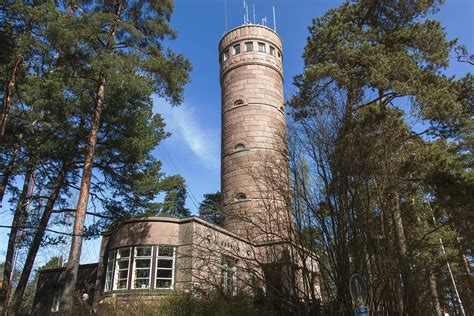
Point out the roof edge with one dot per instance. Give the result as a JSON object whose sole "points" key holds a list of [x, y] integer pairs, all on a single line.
{"points": [[249, 24]]}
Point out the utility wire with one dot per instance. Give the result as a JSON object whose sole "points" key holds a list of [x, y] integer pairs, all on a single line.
{"points": [[167, 157]]}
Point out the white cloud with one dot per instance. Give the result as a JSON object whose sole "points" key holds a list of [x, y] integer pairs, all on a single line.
{"points": [[183, 123]]}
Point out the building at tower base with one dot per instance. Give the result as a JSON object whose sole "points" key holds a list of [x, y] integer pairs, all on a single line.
{"points": [[147, 259]]}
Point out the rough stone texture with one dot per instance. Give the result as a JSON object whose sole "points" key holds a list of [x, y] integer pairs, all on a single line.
{"points": [[253, 115]]}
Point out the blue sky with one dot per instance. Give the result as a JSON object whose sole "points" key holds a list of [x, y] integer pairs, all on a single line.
{"points": [[193, 150]]}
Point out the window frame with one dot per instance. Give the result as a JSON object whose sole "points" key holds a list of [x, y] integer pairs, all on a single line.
{"points": [[249, 46], [55, 303], [117, 270], [173, 264], [109, 284], [229, 266], [226, 55], [272, 51], [236, 51], [239, 102], [239, 147], [134, 268], [262, 47], [240, 196]]}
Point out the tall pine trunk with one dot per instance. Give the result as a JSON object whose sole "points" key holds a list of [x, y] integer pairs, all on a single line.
{"points": [[18, 220], [408, 286], [36, 242], [434, 295], [72, 268], [8, 96], [8, 171]]}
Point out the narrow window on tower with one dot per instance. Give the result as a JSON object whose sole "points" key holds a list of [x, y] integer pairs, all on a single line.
{"points": [[236, 49], [272, 50], [238, 102], [261, 47], [226, 54], [248, 46], [239, 147], [240, 196]]}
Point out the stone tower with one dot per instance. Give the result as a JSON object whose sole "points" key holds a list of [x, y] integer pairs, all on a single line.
{"points": [[254, 164]]}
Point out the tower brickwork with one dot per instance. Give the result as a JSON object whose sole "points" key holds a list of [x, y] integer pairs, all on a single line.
{"points": [[254, 167]]}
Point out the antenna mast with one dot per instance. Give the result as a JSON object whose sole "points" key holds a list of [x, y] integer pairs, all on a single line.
{"points": [[225, 15], [254, 13], [246, 13], [274, 20]]}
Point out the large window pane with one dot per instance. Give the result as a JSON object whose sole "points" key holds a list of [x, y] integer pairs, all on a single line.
{"points": [[165, 251], [122, 263], [143, 251], [142, 263], [123, 253], [142, 284], [165, 263], [122, 274], [142, 273], [122, 284], [163, 284], [164, 274]]}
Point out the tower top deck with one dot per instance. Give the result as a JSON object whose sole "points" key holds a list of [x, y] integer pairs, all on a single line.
{"points": [[250, 30]]}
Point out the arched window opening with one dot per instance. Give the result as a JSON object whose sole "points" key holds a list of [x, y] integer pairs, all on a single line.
{"points": [[238, 102], [239, 147], [240, 196]]}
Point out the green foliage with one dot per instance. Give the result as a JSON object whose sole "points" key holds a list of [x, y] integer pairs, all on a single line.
{"points": [[381, 198], [381, 49], [175, 198], [211, 208], [62, 52]]}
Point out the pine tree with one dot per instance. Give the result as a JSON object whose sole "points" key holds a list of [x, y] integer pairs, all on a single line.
{"points": [[175, 199], [128, 50], [210, 209], [362, 60]]}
